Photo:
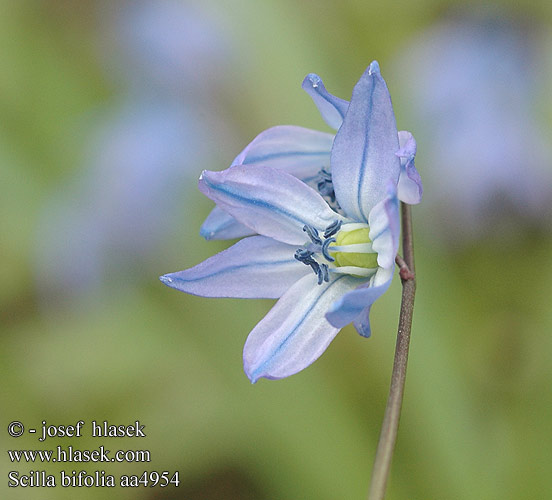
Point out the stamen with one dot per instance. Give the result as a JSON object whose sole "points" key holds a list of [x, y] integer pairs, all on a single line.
{"points": [[325, 184], [332, 228], [312, 233], [302, 254], [315, 267], [320, 278], [326, 189], [325, 175], [325, 246], [321, 245], [305, 256], [322, 273]]}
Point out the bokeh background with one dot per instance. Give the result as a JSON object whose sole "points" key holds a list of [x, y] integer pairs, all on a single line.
{"points": [[108, 113]]}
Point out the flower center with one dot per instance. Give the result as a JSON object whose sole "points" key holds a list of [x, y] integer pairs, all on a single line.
{"points": [[354, 248], [349, 252]]}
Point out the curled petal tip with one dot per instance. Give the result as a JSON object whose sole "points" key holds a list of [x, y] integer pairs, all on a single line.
{"points": [[207, 234], [166, 279], [407, 145], [410, 184], [331, 108], [312, 79], [206, 179], [374, 68], [404, 153], [250, 372]]}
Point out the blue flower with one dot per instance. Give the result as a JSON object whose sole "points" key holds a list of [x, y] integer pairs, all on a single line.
{"points": [[323, 213]]}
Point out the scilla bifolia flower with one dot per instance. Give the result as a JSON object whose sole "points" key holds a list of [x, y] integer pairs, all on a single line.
{"points": [[324, 215]]}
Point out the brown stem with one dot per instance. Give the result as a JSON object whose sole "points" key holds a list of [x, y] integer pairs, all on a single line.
{"points": [[388, 435]]}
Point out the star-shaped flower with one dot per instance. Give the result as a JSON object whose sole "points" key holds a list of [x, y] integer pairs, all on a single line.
{"points": [[325, 233]]}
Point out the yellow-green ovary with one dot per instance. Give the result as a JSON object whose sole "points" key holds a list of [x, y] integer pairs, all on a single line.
{"points": [[365, 260]]}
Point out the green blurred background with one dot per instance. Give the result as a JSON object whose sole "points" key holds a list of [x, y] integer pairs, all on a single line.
{"points": [[108, 113]]}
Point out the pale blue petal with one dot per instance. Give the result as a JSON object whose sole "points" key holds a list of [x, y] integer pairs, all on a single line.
{"points": [[355, 305], [385, 228], [255, 267], [299, 151], [222, 226], [363, 156], [362, 323], [331, 108], [410, 184], [295, 332], [269, 201]]}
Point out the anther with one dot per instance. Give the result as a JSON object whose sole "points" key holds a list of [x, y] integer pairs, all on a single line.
{"points": [[320, 277], [323, 274], [333, 228], [305, 256], [325, 251], [325, 184], [312, 232], [302, 254], [325, 175], [315, 267]]}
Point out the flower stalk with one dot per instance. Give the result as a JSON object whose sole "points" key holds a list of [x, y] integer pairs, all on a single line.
{"points": [[389, 429]]}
